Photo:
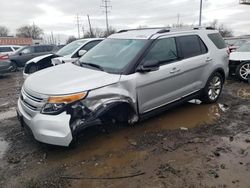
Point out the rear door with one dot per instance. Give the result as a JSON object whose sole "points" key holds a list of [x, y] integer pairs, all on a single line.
{"points": [[195, 59]]}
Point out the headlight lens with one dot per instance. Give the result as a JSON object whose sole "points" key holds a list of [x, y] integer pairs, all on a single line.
{"points": [[56, 104]]}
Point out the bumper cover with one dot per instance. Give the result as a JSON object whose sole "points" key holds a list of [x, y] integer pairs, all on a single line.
{"points": [[48, 129]]}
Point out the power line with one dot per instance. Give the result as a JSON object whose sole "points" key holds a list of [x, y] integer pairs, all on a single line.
{"points": [[106, 5]]}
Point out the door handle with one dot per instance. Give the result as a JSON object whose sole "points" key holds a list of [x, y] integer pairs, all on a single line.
{"points": [[175, 70], [209, 59]]}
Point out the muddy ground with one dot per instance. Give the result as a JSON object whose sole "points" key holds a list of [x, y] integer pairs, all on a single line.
{"points": [[193, 145]]}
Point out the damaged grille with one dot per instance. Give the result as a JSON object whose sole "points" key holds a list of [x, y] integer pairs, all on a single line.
{"points": [[31, 101]]}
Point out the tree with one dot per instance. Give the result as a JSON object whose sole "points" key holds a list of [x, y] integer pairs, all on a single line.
{"points": [[224, 31], [96, 32], [70, 39], [4, 31], [110, 32], [29, 31]]}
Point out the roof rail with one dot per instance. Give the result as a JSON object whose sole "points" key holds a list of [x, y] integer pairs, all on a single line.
{"points": [[138, 29]]}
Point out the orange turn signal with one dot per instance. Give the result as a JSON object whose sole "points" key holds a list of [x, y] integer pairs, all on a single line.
{"points": [[67, 98]]}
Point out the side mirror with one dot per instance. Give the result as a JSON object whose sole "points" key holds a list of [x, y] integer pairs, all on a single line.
{"points": [[148, 66], [81, 53]]}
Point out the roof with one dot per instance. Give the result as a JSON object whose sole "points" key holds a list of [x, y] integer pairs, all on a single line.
{"points": [[15, 41], [152, 33]]}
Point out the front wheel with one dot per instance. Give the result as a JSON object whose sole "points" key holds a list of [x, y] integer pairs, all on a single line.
{"points": [[13, 66], [243, 71], [213, 88]]}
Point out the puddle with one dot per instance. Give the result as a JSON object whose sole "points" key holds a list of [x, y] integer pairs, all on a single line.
{"points": [[189, 115], [95, 143], [3, 147], [8, 114], [243, 93]]}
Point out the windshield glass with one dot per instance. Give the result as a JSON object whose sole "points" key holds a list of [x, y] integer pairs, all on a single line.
{"points": [[70, 48], [112, 55], [244, 48]]}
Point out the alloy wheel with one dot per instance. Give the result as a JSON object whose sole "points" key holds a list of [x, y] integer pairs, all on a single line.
{"points": [[214, 88], [245, 71]]}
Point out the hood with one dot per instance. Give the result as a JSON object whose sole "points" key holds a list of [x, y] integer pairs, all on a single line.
{"points": [[39, 58], [68, 78], [239, 56]]}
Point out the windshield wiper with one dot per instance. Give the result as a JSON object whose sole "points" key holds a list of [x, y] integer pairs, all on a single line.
{"points": [[92, 65]]}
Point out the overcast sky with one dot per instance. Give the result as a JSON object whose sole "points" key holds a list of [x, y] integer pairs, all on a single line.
{"points": [[59, 16]]}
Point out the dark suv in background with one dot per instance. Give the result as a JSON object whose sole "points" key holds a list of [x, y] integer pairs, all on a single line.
{"points": [[21, 56]]}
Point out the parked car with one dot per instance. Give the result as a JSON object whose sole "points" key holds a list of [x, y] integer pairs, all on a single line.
{"points": [[128, 77], [5, 64], [24, 54], [235, 43], [8, 49], [69, 53], [239, 62]]}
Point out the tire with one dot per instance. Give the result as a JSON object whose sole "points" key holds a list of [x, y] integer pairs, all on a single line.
{"points": [[33, 68], [213, 88], [14, 66], [243, 71]]}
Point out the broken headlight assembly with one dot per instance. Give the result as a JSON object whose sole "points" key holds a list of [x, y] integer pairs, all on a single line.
{"points": [[57, 104]]}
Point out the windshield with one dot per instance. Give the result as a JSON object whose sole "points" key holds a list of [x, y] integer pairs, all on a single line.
{"points": [[113, 55], [70, 48], [244, 48]]}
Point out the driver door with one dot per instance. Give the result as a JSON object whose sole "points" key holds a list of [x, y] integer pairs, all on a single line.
{"points": [[163, 86]]}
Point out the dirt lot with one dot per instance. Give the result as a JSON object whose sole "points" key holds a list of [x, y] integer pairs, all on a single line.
{"points": [[194, 145]]}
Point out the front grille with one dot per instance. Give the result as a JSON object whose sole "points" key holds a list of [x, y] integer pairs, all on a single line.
{"points": [[32, 101]]}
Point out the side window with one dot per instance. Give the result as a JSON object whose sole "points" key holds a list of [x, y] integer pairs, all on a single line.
{"points": [[6, 49], [217, 39], [191, 46], [90, 45], [28, 50], [164, 50], [49, 48], [39, 49]]}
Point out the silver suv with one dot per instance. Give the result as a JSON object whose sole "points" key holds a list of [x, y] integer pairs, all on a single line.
{"points": [[128, 77]]}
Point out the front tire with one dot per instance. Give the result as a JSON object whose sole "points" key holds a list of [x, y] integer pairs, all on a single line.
{"points": [[14, 66], [213, 88], [243, 71]]}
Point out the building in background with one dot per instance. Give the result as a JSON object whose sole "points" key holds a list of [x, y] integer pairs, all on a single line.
{"points": [[19, 41]]}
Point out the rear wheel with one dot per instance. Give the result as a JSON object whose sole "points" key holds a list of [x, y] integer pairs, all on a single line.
{"points": [[243, 71], [213, 88]]}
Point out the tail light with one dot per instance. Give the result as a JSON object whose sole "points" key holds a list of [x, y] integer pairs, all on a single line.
{"points": [[4, 57]]}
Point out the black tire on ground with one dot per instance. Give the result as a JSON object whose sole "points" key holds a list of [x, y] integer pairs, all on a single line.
{"points": [[14, 66], [213, 88], [242, 71]]}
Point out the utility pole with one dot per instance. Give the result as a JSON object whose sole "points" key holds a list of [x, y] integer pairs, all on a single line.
{"points": [[90, 28], [106, 6], [178, 20], [78, 24], [200, 12]]}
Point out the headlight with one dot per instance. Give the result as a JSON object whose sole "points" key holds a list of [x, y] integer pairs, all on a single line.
{"points": [[56, 104]]}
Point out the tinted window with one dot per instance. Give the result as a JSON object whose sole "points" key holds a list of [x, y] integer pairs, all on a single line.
{"points": [[49, 48], [90, 45], [16, 48], [39, 49], [191, 46], [6, 49], [164, 50], [217, 39]]}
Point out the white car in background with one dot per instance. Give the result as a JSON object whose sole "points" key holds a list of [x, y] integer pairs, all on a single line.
{"points": [[239, 62], [8, 49], [68, 54]]}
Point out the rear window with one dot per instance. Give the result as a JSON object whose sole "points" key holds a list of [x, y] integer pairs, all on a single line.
{"points": [[6, 49], [191, 46], [217, 39]]}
